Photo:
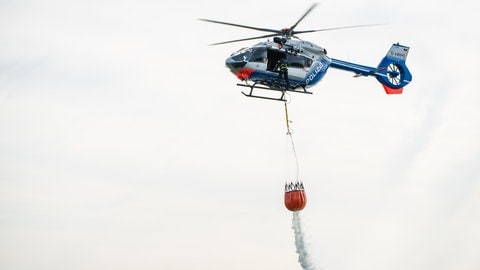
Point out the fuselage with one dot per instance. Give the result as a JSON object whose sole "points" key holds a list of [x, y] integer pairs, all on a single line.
{"points": [[307, 63]]}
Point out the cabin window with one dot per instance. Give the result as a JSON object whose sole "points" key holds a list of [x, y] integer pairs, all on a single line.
{"points": [[298, 61], [273, 57], [293, 61]]}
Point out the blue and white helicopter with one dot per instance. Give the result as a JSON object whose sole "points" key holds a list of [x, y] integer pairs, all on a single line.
{"points": [[294, 65]]}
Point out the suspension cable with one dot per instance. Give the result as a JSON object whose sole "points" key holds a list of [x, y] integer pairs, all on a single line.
{"points": [[289, 135]]}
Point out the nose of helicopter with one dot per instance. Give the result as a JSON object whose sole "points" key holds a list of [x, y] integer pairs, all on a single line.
{"points": [[234, 65], [238, 68]]}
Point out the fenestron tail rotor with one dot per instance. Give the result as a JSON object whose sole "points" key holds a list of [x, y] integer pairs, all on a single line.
{"points": [[394, 74]]}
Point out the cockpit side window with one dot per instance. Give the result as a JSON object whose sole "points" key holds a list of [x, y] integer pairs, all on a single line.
{"points": [[259, 55]]}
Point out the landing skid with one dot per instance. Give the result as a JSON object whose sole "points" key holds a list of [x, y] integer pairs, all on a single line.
{"points": [[272, 88]]}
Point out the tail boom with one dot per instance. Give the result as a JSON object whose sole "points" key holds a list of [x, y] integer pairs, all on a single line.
{"points": [[392, 71]]}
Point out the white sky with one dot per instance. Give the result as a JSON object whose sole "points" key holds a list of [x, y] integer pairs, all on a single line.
{"points": [[124, 143]]}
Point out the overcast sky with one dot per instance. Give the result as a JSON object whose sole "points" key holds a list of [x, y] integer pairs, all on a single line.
{"points": [[125, 144]]}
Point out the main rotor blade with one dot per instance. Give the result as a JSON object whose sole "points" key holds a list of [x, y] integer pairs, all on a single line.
{"points": [[290, 30], [243, 39], [333, 28], [244, 26]]}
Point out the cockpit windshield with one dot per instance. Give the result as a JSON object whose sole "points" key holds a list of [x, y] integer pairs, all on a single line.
{"points": [[242, 54]]}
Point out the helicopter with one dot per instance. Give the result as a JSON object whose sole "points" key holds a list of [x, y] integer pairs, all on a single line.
{"points": [[290, 64]]}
